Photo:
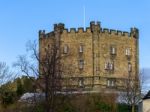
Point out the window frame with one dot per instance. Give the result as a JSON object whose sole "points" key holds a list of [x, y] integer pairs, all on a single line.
{"points": [[128, 51], [81, 48], [111, 83], [65, 49], [129, 67], [113, 50], [81, 64]]}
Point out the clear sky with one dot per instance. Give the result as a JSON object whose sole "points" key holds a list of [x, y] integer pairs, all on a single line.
{"points": [[20, 21]]}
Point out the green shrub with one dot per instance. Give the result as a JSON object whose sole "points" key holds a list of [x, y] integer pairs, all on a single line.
{"points": [[103, 107], [7, 98]]}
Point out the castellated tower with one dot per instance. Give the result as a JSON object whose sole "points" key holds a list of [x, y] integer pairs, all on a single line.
{"points": [[97, 57]]}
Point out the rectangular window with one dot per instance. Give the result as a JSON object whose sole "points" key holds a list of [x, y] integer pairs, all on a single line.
{"points": [[81, 64], [128, 51], [129, 67], [113, 50], [109, 66], [81, 48], [66, 49], [110, 82], [106, 66], [81, 82]]}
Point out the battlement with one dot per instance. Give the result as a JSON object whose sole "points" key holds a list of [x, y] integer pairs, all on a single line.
{"points": [[41, 33], [79, 30], [88, 29], [95, 23], [72, 30], [115, 32], [94, 26], [134, 32], [59, 26], [105, 30]]}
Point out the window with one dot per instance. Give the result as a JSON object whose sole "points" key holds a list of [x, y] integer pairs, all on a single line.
{"points": [[109, 66], [110, 82], [81, 48], [97, 78], [81, 63], [129, 67], [106, 66], [81, 83], [112, 50], [128, 51], [66, 49]]}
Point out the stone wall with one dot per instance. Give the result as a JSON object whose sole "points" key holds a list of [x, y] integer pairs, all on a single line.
{"points": [[97, 56]]}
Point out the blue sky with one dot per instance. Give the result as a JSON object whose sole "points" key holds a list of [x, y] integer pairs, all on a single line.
{"points": [[20, 21]]}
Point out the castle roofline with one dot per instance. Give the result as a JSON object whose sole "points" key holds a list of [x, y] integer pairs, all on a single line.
{"points": [[61, 27]]}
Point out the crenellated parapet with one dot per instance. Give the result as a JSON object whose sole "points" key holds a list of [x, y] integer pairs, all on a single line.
{"points": [[116, 32], [95, 27], [79, 30], [43, 34], [72, 30]]}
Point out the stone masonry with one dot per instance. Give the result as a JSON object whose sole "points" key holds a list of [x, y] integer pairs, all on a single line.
{"points": [[99, 57]]}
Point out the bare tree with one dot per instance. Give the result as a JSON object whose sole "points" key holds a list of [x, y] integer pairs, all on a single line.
{"points": [[5, 77], [132, 91], [48, 69], [5, 74]]}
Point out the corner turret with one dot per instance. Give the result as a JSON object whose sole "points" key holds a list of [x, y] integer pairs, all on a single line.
{"points": [[41, 33], [95, 27], [58, 30], [135, 33], [59, 27]]}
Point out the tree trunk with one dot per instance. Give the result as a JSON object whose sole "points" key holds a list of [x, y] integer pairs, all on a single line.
{"points": [[46, 95], [133, 108]]}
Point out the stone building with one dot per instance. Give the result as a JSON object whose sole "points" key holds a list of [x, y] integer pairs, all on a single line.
{"points": [[99, 57], [144, 105]]}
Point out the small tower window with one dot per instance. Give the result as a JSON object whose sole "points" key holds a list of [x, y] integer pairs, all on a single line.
{"points": [[110, 82], [106, 66], [128, 51], [81, 64], [129, 67], [113, 50], [109, 66], [81, 82], [81, 48], [66, 49]]}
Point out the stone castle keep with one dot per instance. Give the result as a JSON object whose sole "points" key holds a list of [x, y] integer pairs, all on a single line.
{"points": [[97, 57]]}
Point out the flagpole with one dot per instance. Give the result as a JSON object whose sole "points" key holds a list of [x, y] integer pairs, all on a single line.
{"points": [[84, 16]]}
